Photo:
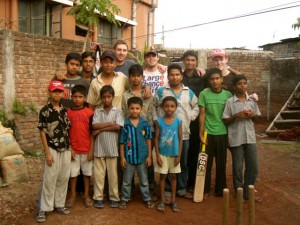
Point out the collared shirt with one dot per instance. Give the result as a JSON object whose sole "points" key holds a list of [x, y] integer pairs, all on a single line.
{"points": [[119, 84], [155, 80], [106, 143], [56, 126], [187, 109], [134, 140], [148, 112], [214, 104], [194, 82], [240, 131]]}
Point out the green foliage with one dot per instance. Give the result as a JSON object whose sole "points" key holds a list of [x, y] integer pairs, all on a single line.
{"points": [[297, 26], [19, 108], [3, 117], [89, 11]]}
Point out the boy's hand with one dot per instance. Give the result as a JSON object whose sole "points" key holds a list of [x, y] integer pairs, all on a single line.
{"points": [[95, 132], [49, 159], [202, 140], [148, 161], [60, 76], [123, 162], [159, 161], [176, 160], [254, 97], [146, 92], [161, 68], [200, 72], [90, 156], [73, 154]]}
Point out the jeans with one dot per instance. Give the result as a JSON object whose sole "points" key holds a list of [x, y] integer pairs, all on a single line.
{"points": [[248, 153], [182, 177], [128, 173]]}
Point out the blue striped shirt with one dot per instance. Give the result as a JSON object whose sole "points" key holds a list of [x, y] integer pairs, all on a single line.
{"points": [[134, 140]]}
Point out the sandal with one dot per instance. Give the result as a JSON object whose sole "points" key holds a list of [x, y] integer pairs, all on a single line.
{"points": [[88, 202], [41, 217], [62, 211], [70, 202], [161, 207], [123, 204], [175, 207], [149, 204]]}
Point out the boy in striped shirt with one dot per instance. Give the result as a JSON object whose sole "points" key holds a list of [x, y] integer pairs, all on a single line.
{"points": [[107, 123], [135, 152]]}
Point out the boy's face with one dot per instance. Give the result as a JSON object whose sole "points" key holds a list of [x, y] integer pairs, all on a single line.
{"points": [[108, 65], [151, 60], [241, 87], [135, 79], [190, 62], [88, 64], [169, 108], [215, 81], [107, 99], [175, 77], [135, 110], [78, 99], [56, 95], [73, 67], [220, 62], [121, 52]]}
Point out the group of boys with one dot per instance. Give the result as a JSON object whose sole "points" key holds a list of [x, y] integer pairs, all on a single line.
{"points": [[114, 117]]}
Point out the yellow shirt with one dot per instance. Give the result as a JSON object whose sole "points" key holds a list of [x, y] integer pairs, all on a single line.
{"points": [[119, 84]]}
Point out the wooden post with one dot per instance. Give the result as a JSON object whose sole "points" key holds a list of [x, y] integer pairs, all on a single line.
{"points": [[239, 206], [225, 206], [251, 202]]}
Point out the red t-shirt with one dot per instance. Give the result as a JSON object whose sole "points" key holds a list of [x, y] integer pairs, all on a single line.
{"points": [[80, 130]]}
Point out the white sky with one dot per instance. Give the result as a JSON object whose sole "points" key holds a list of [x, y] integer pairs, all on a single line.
{"points": [[249, 32]]}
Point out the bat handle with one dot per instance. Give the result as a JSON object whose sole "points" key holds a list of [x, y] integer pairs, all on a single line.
{"points": [[204, 139]]}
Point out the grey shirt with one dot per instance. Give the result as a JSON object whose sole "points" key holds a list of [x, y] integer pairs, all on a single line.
{"points": [[125, 67], [240, 131]]}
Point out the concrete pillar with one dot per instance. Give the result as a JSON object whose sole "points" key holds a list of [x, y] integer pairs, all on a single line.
{"points": [[202, 59], [9, 90]]}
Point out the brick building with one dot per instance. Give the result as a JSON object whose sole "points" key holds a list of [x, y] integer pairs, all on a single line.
{"points": [[49, 17]]}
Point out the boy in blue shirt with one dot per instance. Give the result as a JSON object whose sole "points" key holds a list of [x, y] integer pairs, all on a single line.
{"points": [[135, 152], [238, 114]]}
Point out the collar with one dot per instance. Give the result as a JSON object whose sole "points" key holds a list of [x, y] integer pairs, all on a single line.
{"points": [[183, 87], [236, 99], [99, 78], [102, 109]]}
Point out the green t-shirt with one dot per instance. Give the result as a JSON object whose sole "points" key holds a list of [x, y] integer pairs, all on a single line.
{"points": [[214, 104]]}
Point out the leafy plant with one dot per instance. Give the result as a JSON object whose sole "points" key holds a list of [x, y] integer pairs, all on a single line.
{"points": [[19, 108], [3, 117], [297, 26], [88, 12]]}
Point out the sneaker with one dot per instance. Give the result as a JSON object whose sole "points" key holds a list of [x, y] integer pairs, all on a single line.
{"points": [[149, 204], [113, 204], [123, 204], [41, 217], [175, 207], [161, 207], [62, 211], [99, 204]]}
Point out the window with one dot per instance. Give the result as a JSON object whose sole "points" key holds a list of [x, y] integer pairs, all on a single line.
{"points": [[32, 16], [108, 33]]}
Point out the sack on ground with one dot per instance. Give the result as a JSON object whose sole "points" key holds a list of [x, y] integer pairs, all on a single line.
{"points": [[14, 169], [8, 145]]}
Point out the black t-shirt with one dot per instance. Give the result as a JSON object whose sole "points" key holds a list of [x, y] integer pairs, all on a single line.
{"points": [[195, 82]]}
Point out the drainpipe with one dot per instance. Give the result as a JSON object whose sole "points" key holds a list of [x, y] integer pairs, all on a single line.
{"points": [[133, 17]]}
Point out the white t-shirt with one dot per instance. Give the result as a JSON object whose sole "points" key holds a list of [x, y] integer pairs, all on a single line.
{"points": [[155, 80]]}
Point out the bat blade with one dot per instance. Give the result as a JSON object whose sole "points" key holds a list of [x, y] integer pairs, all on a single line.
{"points": [[200, 178]]}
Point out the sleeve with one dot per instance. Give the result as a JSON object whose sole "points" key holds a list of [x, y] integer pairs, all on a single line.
{"points": [[122, 136], [256, 109], [124, 105], [92, 96], [148, 130], [227, 110], [120, 118], [201, 99], [194, 106], [96, 117]]}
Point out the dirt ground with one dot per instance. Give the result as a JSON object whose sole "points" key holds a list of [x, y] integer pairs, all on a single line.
{"points": [[278, 185]]}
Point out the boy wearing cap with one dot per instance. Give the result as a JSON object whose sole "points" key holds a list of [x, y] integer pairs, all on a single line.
{"points": [[54, 125], [153, 76], [108, 76]]}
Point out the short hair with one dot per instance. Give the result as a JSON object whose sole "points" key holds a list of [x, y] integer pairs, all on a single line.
{"points": [[107, 89], [173, 66], [134, 100], [120, 42], [88, 54], [189, 53], [73, 56], [135, 69], [237, 78], [212, 71], [80, 89], [169, 98]]}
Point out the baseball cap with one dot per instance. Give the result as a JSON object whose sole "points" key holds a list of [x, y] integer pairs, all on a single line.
{"points": [[56, 85], [152, 50], [218, 52], [108, 54]]}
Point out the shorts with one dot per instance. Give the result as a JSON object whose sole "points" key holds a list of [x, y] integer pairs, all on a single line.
{"points": [[167, 165], [81, 162]]}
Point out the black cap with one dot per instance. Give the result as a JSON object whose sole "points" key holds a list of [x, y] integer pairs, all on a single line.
{"points": [[108, 54]]}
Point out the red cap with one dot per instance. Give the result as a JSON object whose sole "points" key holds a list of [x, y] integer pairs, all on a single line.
{"points": [[56, 85], [218, 52]]}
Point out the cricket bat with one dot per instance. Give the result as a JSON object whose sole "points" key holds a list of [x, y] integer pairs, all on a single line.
{"points": [[200, 174]]}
